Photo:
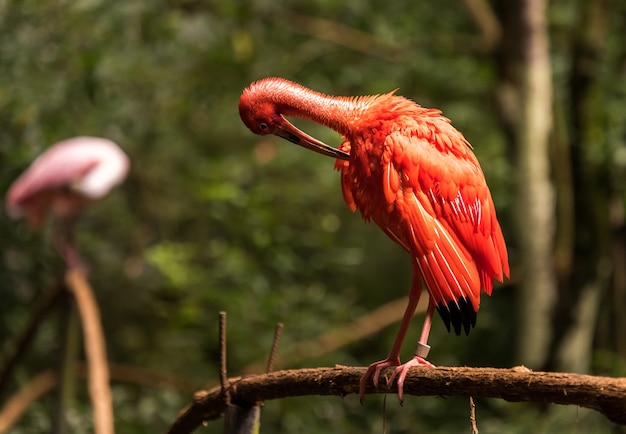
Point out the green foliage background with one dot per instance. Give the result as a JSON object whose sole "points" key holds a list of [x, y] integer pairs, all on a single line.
{"points": [[213, 218]]}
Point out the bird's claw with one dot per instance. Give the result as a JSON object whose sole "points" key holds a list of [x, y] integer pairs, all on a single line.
{"points": [[373, 372], [403, 369], [400, 371]]}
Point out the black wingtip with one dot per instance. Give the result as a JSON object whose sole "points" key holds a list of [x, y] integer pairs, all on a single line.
{"points": [[445, 315], [459, 314]]}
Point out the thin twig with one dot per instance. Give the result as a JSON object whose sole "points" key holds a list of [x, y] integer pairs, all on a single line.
{"points": [[240, 418], [473, 426], [278, 332], [222, 352], [385, 413], [95, 351]]}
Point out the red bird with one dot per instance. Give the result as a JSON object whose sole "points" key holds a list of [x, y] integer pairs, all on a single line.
{"points": [[408, 169], [65, 178]]}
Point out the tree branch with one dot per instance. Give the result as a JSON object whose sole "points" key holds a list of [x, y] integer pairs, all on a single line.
{"points": [[486, 21], [339, 337], [95, 351], [604, 394], [45, 304], [345, 36], [16, 405]]}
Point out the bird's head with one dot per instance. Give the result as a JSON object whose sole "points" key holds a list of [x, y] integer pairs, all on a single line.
{"points": [[261, 108], [261, 117]]}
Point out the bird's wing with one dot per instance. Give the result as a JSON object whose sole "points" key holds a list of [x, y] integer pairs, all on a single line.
{"points": [[54, 169], [346, 177], [448, 218]]}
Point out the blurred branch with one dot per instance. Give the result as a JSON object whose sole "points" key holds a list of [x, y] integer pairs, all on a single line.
{"points": [[70, 338], [44, 305], [486, 21], [606, 395], [339, 337], [146, 377], [576, 344], [17, 404], [618, 289], [95, 350], [342, 35], [366, 43], [46, 381]]}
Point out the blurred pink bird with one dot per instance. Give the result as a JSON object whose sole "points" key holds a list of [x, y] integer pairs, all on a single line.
{"points": [[63, 180]]}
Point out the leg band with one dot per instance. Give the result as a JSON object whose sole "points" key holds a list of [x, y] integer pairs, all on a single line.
{"points": [[422, 350]]}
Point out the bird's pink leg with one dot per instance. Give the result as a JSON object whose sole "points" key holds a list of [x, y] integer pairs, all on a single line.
{"points": [[63, 240], [421, 352], [393, 359]]}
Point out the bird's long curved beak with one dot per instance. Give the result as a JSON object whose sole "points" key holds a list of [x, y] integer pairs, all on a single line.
{"points": [[289, 132]]}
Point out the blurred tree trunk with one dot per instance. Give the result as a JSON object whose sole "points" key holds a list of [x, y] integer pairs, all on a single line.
{"points": [[525, 94], [571, 253], [586, 276]]}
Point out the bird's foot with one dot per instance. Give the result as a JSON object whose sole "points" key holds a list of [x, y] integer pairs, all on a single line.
{"points": [[402, 370], [373, 372]]}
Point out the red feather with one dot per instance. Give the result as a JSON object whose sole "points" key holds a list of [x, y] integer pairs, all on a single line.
{"points": [[416, 177]]}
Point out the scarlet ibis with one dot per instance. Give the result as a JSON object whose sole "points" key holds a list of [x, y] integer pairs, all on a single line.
{"points": [[64, 179], [408, 169]]}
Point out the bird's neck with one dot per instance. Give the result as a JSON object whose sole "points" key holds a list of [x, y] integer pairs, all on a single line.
{"points": [[338, 113]]}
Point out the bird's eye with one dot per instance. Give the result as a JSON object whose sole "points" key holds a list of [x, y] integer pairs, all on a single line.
{"points": [[263, 126]]}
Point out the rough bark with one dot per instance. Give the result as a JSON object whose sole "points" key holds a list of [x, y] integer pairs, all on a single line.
{"points": [[606, 395]]}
